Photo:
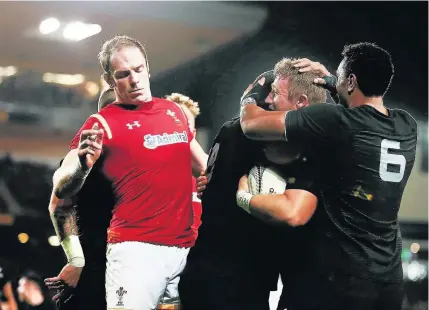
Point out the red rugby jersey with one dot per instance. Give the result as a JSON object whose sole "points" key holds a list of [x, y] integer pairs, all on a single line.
{"points": [[148, 161], [197, 209]]}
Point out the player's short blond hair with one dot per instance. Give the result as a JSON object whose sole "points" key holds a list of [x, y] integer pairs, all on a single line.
{"points": [[185, 101], [114, 44], [299, 83]]}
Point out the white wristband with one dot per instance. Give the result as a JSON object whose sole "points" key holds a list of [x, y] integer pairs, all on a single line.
{"points": [[243, 200], [73, 251]]}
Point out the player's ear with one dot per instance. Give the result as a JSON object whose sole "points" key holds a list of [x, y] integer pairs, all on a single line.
{"points": [[351, 83], [302, 101]]}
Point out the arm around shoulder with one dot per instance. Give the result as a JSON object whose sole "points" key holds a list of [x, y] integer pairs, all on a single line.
{"points": [[259, 124]]}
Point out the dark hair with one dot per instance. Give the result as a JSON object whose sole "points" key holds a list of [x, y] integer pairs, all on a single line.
{"points": [[372, 66]]}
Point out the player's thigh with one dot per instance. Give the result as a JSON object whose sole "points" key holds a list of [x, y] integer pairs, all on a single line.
{"points": [[170, 298], [136, 275], [192, 290]]}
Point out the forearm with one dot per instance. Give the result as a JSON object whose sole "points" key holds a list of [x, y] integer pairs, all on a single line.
{"points": [[274, 209], [199, 167], [64, 219], [69, 179], [258, 124], [199, 159]]}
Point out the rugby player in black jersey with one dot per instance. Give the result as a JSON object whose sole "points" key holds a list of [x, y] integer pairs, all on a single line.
{"points": [[368, 152], [233, 264]]}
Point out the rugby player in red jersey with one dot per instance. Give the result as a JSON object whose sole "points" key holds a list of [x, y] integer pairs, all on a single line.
{"points": [[147, 151]]}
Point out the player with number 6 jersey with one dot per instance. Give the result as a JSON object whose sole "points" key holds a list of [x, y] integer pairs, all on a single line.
{"points": [[369, 152]]}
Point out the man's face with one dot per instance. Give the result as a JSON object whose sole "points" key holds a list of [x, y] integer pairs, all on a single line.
{"points": [[280, 152], [130, 75], [342, 84], [280, 93]]}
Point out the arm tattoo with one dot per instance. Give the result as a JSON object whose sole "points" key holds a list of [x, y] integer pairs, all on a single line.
{"points": [[70, 184], [65, 220]]}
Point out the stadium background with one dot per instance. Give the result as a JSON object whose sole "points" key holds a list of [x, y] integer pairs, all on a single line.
{"points": [[210, 51]]}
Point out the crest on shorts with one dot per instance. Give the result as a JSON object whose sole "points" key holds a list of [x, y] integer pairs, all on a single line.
{"points": [[120, 293]]}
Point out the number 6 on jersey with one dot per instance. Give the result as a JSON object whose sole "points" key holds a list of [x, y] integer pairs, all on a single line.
{"points": [[392, 159]]}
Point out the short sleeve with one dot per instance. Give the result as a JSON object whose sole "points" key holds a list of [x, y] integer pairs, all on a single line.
{"points": [[314, 124], [95, 118]]}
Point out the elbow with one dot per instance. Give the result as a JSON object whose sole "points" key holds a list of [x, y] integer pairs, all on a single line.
{"points": [[51, 208], [59, 193], [246, 127], [294, 219], [58, 180]]}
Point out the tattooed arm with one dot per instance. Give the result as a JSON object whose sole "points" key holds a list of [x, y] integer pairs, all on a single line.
{"points": [[63, 216]]}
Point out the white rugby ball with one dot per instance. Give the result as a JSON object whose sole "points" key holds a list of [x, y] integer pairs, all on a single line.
{"points": [[265, 180]]}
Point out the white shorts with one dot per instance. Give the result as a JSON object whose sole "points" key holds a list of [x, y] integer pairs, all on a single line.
{"points": [[139, 275]]}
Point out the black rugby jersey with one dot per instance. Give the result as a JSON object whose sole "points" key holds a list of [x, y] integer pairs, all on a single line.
{"points": [[230, 237], [368, 157]]}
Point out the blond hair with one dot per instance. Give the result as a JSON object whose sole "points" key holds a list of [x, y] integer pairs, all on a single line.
{"points": [[299, 83], [185, 101], [113, 45]]}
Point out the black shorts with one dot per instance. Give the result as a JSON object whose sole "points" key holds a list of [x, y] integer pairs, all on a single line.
{"points": [[90, 293], [204, 288], [339, 292]]}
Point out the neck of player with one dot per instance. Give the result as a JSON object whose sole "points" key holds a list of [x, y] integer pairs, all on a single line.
{"points": [[134, 102], [375, 102]]}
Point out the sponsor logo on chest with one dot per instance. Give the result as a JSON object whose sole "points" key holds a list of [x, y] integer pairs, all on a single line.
{"points": [[153, 141]]}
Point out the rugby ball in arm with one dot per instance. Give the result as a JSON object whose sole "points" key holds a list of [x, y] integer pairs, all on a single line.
{"points": [[265, 180]]}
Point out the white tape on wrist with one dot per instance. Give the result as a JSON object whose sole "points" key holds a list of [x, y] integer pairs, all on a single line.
{"points": [[73, 251], [243, 200]]}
